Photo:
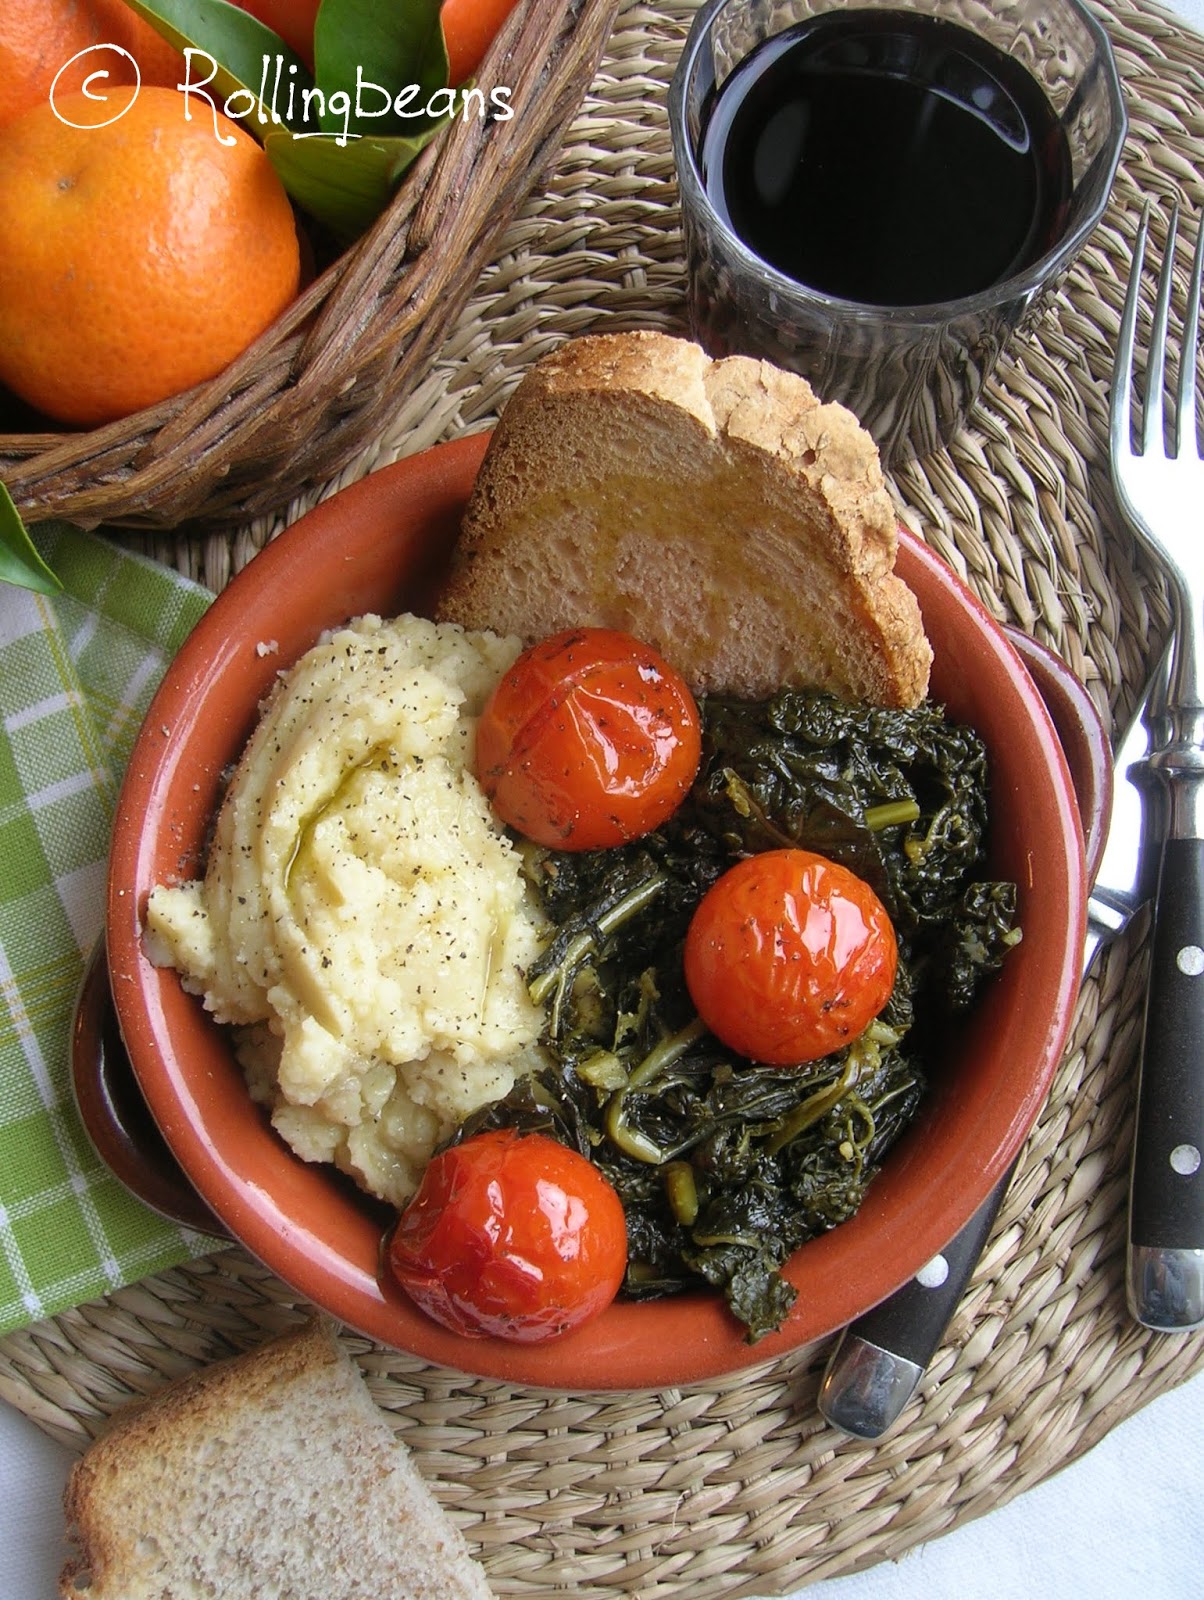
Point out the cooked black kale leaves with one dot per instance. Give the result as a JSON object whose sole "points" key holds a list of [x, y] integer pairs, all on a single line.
{"points": [[725, 1167]]}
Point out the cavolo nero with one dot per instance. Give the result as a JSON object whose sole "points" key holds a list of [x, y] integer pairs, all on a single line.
{"points": [[724, 1166]]}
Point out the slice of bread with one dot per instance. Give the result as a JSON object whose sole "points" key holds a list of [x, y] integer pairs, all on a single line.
{"points": [[716, 509], [272, 1476]]}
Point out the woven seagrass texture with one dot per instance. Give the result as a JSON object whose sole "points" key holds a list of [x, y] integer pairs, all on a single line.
{"points": [[737, 1487]]}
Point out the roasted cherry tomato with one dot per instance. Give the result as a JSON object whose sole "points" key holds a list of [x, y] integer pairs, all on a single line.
{"points": [[789, 957], [511, 1235], [589, 740]]}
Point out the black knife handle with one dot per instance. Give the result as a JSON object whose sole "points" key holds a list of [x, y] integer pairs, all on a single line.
{"points": [[1166, 1206], [881, 1357]]}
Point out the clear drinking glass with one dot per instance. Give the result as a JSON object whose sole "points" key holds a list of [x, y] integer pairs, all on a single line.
{"points": [[911, 372]]}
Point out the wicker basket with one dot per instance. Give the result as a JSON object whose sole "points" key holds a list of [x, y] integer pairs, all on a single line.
{"points": [[318, 385]]}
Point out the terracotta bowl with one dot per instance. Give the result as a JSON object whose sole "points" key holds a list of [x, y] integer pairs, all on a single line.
{"points": [[379, 546]]}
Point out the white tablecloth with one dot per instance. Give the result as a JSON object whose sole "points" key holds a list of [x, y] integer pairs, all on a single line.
{"points": [[1124, 1523]]}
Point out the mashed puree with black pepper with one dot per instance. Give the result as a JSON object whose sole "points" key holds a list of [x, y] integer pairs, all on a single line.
{"points": [[363, 921]]}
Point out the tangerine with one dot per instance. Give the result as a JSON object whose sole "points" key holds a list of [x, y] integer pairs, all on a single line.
{"points": [[469, 27], [41, 38], [160, 64], [138, 258], [293, 20]]}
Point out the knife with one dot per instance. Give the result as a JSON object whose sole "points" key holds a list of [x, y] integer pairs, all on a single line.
{"points": [[881, 1357], [1164, 1266]]}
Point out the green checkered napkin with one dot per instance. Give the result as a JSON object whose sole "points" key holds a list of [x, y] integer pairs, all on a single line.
{"points": [[76, 674]]}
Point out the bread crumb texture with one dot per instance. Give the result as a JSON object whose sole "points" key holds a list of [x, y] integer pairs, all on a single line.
{"points": [[716, 509], [272, 1476]]}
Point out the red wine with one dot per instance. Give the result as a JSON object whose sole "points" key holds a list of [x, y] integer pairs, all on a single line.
{"points": [[887, 157]]}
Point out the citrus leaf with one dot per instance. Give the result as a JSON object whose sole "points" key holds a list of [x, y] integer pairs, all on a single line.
{"points": [[346, 187], [246, 54], [373, 54], [20, 563]]}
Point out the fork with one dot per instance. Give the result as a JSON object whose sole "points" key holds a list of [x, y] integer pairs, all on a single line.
{"points": [[1161, 492]]}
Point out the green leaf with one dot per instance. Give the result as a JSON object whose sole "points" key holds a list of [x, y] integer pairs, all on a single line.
{"points": [[344, 186], [339, 165], [20, 563], [245, 54], [375, 53]]}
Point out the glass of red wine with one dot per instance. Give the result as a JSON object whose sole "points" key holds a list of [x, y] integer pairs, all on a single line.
{"points": [[879, 195]]}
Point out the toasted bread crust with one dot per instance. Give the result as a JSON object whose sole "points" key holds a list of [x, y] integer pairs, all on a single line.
{"points": [[272, 1472], [716, 509]]}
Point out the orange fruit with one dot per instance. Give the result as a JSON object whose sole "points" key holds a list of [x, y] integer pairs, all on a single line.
{"points": [[159, 63], [40, 37], [137, 258], [36, 38], [293, 20], [468, 30]]}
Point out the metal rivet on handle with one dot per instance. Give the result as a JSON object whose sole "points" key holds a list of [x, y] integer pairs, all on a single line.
{"points": [[934, 1274], [1190, 960], [1185, 1160]]}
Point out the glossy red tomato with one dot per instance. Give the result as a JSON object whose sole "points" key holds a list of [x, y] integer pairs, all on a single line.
{"points": [[789, 957], [511, 1235], [590, 739]]}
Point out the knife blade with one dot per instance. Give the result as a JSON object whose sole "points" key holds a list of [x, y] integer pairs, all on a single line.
{"points": [[880, 1358], [1128, 867]]}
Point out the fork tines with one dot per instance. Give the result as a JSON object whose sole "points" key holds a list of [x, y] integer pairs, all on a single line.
{"points": [[1153, 436]]}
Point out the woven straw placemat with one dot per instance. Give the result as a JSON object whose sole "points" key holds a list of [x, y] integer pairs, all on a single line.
{"points": [[738, 1488]]}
